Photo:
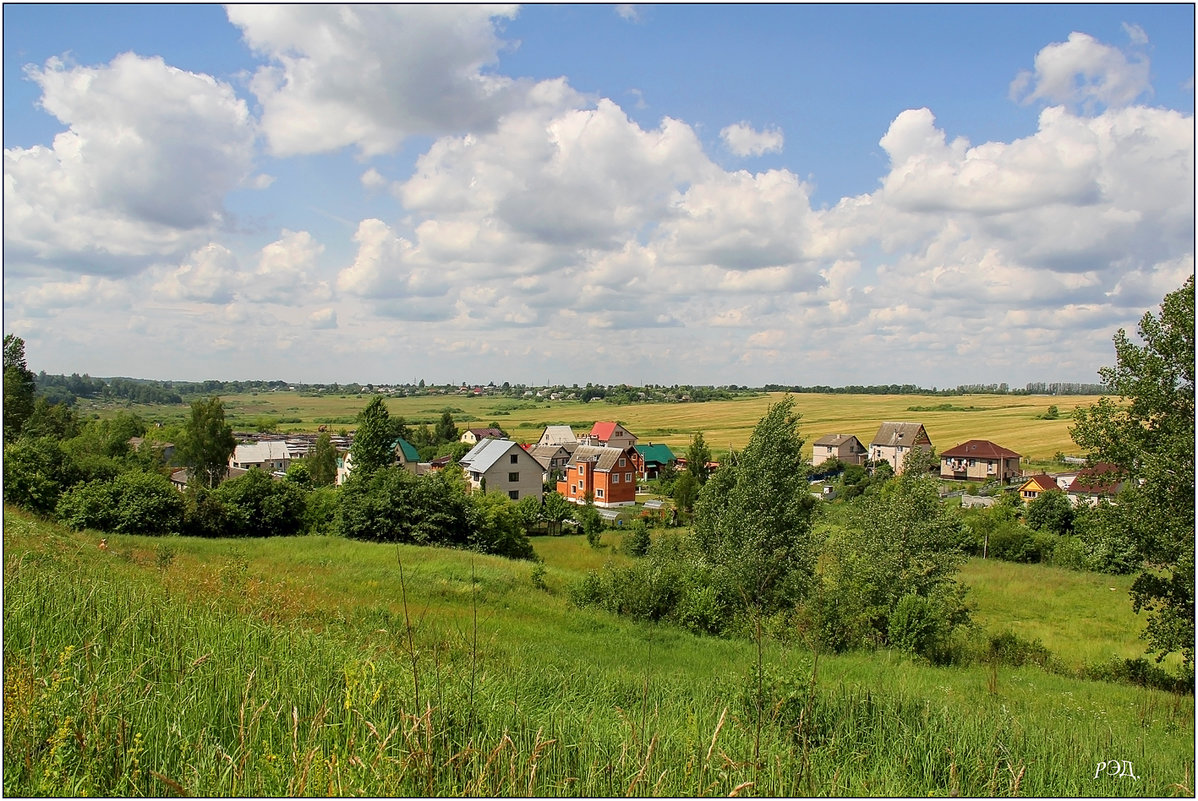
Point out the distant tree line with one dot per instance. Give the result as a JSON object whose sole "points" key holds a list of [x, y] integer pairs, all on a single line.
{"points": [[1032, 388]]}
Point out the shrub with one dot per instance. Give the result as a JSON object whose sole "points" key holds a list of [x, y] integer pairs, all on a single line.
{"points": [[636, 541], [497, 527], [1009, 648], [132, 503], [36, 471], [258, 506]]}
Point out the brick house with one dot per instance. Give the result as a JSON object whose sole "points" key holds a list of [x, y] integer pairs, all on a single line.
{"points": [[609, 474]]}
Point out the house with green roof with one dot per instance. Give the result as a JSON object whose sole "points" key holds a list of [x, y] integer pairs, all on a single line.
{"points": [[406, 456], [651, 458]]}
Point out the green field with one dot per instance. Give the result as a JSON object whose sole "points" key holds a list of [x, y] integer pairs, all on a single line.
{"points": [[1009, 420], [320, 666]]}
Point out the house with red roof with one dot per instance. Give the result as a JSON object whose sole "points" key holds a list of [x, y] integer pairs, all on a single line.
{"points": [[979, 460], [1092, 484], [609, 435]]}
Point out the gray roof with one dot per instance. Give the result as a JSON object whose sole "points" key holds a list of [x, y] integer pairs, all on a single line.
{"points": [[836, 440], [558, 435], [264, 451], [603, 458], [544, 454], [486, 453], [905, 434]]}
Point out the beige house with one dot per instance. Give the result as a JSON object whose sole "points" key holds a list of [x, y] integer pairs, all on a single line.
{"points": [[473, 436], [980, 460], [552, 458], [894, 441], [500, 465], [844, 447], [609, 435]]}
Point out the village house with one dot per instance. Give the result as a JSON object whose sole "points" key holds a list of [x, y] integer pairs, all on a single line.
{"points": [[843, 447], [652, 458], [1034, 486], [500, 465], [473, 436], [607, 474], [559, 435], [552, 458], [609, 435], [406, 456], [269, 455], [1092, 484], [894, 441], [979, 460]]}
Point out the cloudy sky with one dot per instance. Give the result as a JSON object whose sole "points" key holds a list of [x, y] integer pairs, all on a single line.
{"points": [[644, 194]]}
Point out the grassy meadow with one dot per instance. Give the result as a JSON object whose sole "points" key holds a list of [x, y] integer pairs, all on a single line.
{"points": [[320, 666], [1009, 420]]}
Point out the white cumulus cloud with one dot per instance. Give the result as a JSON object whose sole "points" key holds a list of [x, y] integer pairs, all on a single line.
{"points": [[141, 172], [371, 75], [1083, 71], [742, 140]]}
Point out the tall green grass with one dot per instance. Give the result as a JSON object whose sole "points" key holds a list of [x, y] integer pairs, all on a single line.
{"points": [[295, 667]]}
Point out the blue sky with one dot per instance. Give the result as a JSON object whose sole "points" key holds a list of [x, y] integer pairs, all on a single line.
{"points": [[707, 194]]}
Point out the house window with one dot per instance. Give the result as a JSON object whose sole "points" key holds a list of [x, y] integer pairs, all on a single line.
{"points": [[582, 470], [573, 490], [514, 457], [598, 493], [622, 461], [514, 494], [628, 478], [615, 478], [513, 476]]}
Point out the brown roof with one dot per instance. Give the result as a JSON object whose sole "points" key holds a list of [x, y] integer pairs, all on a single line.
{"points": [[603, 458], [905, 434], [544, 454], [979, 449], [1043, 481], [1103, 478], [836, 440]]}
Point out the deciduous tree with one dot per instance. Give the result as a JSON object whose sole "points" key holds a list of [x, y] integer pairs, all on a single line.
{"points": [[697, 457], [207, 443], [18, 387], [322, 462], [753, 517], [374, 441], [1149, 435]]}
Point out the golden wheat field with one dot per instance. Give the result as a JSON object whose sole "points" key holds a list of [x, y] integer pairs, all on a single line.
{"points": [[1008, 420]]}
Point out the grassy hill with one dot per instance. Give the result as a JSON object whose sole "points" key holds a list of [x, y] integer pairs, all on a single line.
{"points": [[316, 665]]}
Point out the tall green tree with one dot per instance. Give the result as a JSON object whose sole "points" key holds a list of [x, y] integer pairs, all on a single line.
{"points": [[18, 387], [207, 443], [322, 462], [753, 518], [374, 441], [697, 457], [446, 430], [1149, 435]]}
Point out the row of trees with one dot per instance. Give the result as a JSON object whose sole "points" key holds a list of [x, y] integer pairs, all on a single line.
{"points": [[87, 475]]}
